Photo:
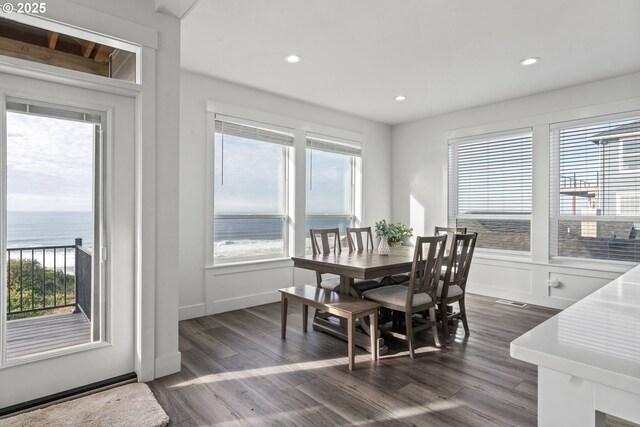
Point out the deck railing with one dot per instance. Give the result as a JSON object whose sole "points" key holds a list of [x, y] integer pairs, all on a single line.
{"points": [[48, 277], [570, 181]]}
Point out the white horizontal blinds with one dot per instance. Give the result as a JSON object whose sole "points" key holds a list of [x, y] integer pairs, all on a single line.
{"points": [[253, 130], [493, 178], [333, 144], [58, 113], [596, 189]]}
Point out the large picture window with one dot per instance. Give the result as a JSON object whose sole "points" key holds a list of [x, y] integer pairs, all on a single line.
{"points": [[490, 189], [595, 194], [331, 165], [250, 192]]}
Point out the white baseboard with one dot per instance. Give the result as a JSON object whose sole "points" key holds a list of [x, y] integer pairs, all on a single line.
{"points": [[238, 303], [192, 311], [168, 364], [501, 293]]}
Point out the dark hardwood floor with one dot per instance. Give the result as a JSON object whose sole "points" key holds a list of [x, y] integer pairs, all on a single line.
{"points": [[236, 370]]}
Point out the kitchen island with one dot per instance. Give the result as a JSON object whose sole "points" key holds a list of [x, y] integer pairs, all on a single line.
{"points": [[588, 357]]}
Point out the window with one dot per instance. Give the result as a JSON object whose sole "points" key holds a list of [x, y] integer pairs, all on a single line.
{"points": [[69, 51], [331, 176], [250, 190], [490, 189], [595, 196]]}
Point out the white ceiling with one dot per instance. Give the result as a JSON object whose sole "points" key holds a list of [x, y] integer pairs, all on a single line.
{"points": [[444, 55]]}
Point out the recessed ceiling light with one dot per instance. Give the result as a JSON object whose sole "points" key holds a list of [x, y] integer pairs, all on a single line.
{"points": [[400, 98], [292, 59], [529, 61]]}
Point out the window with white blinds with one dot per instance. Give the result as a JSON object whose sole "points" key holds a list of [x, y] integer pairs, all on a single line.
{"points": [[595, 189], [332, 164], [490, 181], [250, 190]]}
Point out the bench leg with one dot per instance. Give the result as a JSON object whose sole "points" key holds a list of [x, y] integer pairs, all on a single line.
{"points": [[283, 316], [373, 331], [350, 341], [305, 315]]}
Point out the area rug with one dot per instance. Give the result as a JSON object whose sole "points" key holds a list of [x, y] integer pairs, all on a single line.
{"points": [[128, 405]]}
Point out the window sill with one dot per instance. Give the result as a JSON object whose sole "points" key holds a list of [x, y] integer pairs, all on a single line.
{"points": [[507, 256], [253, 265], [593, 264]]}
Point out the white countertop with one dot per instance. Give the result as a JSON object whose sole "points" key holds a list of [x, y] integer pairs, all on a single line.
{"points": [[597, 338]]}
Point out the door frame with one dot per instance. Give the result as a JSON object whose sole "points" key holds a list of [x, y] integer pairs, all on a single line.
{"points": [[116, 353]]}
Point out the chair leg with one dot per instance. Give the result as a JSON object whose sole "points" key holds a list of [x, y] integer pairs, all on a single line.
{"points": [[409, 327], [463, 316], [350, 341], [283, 316], [305, 315], [445, 323], [434, 328]]}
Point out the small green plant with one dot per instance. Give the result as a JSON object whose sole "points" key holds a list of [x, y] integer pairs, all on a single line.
{"points": [[394, 233]]}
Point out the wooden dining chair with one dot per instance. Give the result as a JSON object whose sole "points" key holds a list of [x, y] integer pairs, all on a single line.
{"points": [[452, 288], [329, 242], [420, 294], [360, 239], [449, 232]]}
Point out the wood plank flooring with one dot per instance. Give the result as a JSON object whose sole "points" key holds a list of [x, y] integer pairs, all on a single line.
{"points": [[236, 370], [37, 334]]}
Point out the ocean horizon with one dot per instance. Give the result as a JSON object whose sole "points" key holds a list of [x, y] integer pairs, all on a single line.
{"points": [[40, 228]]}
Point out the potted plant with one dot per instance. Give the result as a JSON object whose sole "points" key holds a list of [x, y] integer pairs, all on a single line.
{"points": [[391, 235]]}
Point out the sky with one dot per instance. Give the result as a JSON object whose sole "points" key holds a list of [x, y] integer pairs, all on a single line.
{"points": [[248, 177], [49, 164]]}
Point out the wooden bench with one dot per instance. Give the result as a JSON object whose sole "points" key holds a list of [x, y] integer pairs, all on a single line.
{"points": [[344, 306]]}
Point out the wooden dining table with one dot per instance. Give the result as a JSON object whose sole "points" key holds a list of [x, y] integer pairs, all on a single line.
{"points": [[356, 265]]}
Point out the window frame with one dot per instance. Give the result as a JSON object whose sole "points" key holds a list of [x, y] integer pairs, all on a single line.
{"points": [[287, 153], [554, 188], [355, 165], [452, 188]]}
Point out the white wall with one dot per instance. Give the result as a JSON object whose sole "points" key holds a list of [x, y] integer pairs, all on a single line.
{"points": [[419, 193], [205, 290]]}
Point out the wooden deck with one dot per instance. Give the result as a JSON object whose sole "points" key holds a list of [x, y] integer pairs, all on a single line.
{"points": [[39, 334]]}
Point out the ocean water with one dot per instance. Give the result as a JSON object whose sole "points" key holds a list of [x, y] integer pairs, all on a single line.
{"points": [[237, 238], [29, 229], [227, 230]]}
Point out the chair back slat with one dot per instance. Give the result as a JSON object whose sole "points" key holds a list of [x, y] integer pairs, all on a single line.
{"points": [[363, 239], [426, 266]]}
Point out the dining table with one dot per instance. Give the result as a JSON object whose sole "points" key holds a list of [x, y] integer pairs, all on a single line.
{"points": [[356, 265]]}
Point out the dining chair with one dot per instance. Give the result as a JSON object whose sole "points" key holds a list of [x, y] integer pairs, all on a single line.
{"points": [[420, 294], [360, 239], [329, 242], [449, 232], [452, 287]]}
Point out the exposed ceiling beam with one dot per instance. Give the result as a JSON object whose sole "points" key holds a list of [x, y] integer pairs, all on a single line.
{"points": [[88, 49], [43, 55], [177, 8], [103, 52], [52, 37]]}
